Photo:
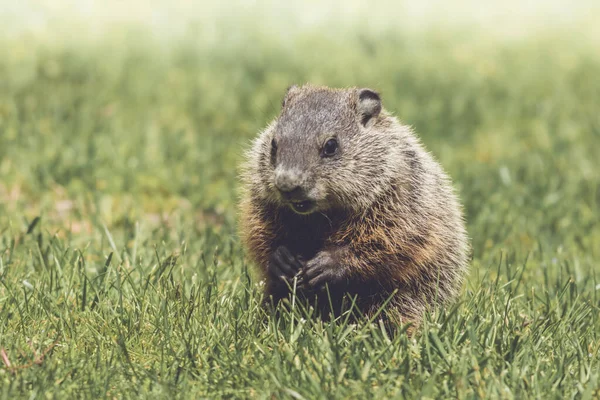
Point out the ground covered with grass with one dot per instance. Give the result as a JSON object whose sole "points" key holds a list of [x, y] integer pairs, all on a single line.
{"points": [[121, 273]]}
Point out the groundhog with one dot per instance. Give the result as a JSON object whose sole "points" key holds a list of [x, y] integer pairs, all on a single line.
{"points": [[342, 205]]}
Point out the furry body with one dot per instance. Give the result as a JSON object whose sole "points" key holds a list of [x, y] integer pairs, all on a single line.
{"points": [[382, 223]]}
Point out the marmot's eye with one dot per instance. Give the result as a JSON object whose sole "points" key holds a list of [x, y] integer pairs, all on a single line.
{"points": [[273, 145], [330, 148]]}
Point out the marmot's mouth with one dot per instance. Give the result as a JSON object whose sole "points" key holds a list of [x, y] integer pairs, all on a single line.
{"points": [[303, 207]]}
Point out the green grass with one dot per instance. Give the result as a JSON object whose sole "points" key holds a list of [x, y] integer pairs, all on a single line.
{"points": [[121, 274]]}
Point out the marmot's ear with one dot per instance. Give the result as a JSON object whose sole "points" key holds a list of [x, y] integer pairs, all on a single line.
{"points": [[369, 105], [289, 93]]}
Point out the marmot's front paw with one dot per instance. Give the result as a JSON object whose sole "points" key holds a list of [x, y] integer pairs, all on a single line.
{"points": [[323, 269], [283, 267]]}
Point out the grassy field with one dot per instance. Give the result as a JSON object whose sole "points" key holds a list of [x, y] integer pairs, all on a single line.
{"points": [[121, 273]]}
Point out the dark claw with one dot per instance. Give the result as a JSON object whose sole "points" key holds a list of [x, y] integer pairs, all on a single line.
{"points": [[313, 271], [279, 265], [319, 281], [321, 270], [283, 267], [289, 259]]}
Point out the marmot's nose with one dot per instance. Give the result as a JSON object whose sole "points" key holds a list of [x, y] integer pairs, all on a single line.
{"points": [[287, 181]]}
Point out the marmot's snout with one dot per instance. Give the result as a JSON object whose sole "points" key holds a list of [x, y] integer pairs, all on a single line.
{"points": [[288, 182], [291, 186]]}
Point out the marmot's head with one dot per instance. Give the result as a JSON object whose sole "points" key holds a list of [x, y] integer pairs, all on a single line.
{"points": [[327, 149]]}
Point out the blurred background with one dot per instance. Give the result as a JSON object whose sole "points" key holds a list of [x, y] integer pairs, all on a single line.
{"points": [[141, 110], [173, 19], [122, 127]]}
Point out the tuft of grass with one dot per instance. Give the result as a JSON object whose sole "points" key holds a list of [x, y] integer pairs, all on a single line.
{"points": [[121, 273]]}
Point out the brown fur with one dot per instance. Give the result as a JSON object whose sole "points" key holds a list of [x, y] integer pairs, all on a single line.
{"points": [[387, 222]]}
